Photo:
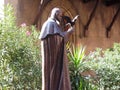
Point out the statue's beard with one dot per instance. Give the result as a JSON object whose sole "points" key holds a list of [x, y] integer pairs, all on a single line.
{"points": [[58, 19]]}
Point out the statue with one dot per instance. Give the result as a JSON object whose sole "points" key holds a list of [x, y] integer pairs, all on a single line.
{"points": [[55, 73]]}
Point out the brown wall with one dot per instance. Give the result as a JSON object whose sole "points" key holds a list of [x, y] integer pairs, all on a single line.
{"points": [[96, 36], [26, 11]]}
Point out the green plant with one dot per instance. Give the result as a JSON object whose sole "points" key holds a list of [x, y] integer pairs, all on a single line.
{"points": [[106, 64], [20, 61], [76, 56]]}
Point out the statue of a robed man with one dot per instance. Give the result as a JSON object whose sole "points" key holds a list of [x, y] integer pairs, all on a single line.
{"points": [[55, 73]]}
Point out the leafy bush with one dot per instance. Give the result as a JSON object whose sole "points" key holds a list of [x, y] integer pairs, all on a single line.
{"points": [[106, 64], [20, 62]]}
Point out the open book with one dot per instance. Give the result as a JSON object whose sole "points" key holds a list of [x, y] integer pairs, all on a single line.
{"points": [[68, 20]]}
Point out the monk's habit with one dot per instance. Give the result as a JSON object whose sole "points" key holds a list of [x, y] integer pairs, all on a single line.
{"points": [[55, 75]]}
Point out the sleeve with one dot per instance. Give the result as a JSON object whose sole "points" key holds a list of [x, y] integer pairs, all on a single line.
{"points": [[68, 33]]}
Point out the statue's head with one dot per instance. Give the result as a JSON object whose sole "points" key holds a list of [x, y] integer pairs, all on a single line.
{"points": [[56, 13]]}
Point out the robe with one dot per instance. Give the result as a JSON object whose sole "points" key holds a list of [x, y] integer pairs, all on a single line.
{"points": [[55, 73]]}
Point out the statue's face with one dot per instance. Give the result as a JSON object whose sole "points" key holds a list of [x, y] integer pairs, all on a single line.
{"points": [[59, 16]]}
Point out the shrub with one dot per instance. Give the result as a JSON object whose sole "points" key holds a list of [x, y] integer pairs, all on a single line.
{"points": [[106, 64], [20, 62]]}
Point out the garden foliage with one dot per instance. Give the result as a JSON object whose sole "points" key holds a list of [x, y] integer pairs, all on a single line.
{"points": [[20, 62], [105, 64]]}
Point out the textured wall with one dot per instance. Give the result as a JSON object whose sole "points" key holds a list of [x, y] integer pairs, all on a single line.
{"points": [[96, 32], [27, 10]]}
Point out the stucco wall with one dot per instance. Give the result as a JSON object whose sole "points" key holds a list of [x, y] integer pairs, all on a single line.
{"points": [[27, 10], [96, 36]]}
